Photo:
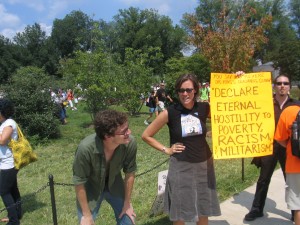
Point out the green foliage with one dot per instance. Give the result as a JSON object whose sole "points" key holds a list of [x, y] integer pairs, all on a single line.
{"points": [[198, 65], [97, 74], [36, 49], [106, 83], [72, 33], [134, 80], [227, 33], [143, 29], [283, 48], [8, 58], [33, 40], [35, 112]]}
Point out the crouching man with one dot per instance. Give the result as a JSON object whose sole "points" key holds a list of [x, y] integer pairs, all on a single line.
{"points": [[97, 166]]}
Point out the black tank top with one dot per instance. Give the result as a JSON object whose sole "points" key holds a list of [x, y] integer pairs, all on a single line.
{"points": [[189, 127]]}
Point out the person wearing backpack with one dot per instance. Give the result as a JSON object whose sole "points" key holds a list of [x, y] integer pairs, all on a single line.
{"points": [[284, 136], [267, 164], [161, 97], [151, 103]]}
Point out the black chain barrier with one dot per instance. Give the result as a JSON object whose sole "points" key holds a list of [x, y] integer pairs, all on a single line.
{"points": [[153, 168], [51, 184]]}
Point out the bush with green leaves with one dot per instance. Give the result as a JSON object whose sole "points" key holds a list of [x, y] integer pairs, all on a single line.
{"points": [[135, 80], [28, 89], [96, 73], [106, 82]]}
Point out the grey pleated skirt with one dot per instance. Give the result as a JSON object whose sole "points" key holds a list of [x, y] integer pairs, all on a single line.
{"points": [[191, 191]]}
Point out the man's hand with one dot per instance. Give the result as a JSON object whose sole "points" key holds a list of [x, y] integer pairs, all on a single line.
{"points": [[239, 73], [128, 209], [87, 220]]}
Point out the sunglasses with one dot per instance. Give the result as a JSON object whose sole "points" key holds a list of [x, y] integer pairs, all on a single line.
{"points": [[125, 132], [188, 90], [282, 83]]}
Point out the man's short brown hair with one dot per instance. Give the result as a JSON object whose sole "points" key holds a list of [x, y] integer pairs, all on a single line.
{"points": [[106, 122]]}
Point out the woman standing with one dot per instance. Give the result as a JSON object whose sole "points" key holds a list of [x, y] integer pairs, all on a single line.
{"points": [[8, 174], [191, 185]]}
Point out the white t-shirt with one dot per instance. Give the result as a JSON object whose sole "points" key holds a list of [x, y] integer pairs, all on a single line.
{"points": [[6, 156]]}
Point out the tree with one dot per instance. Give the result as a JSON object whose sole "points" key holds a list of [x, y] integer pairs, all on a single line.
{"points": [[96, 73], [106, 82], [32, 42], [135, 80], [145, 29], [282, 48], [72, 33], [230, 39], [36, 49], [35, 112], [8, 59], [198, 65]]}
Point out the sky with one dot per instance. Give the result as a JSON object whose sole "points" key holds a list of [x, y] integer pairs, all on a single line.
{"points": [[15, 15]]}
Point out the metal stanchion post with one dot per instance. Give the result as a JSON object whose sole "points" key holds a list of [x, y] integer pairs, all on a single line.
{"points": [[51, 184], [243, 169]]}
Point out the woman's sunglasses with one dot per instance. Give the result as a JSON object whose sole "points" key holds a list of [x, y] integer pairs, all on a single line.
{"points": [[188, 90]]}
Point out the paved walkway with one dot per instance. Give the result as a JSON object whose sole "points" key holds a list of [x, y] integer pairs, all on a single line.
{"points": [[235, 208]]}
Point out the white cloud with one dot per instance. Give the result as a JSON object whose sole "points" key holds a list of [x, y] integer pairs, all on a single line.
{"points": [[8, 19], [163, 9], [46, 28], [10, 32], [166, 7]]}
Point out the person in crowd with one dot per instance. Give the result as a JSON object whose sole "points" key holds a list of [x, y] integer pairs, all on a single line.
{"points": [[97, 169], [283, 136], [53, 95], [70, 98], [9, 190], [267, 164], [151, 103], [204, 92], [190, 194], [59, 100], [160, 97]]}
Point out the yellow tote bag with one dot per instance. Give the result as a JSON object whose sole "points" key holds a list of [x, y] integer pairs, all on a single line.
{"points": [[22, 151]]}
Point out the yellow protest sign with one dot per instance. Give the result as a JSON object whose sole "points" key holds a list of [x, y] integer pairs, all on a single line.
{"points": [[242, 115]]}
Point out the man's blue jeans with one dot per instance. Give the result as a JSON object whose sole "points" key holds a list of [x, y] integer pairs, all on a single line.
{"points": [[117, 205]]}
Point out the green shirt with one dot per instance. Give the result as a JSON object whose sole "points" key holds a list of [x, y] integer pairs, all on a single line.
{"points": [[204, 94], [89, 167]]}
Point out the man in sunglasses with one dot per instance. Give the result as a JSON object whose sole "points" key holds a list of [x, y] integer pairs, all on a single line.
{"points": [[97, 166], [268, 163]]}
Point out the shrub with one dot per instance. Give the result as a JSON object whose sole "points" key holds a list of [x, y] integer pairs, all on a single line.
{"points": [[35, 112]]}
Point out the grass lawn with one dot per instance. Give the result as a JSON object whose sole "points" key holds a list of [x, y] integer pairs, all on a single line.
{"points": [[57, 156]]}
